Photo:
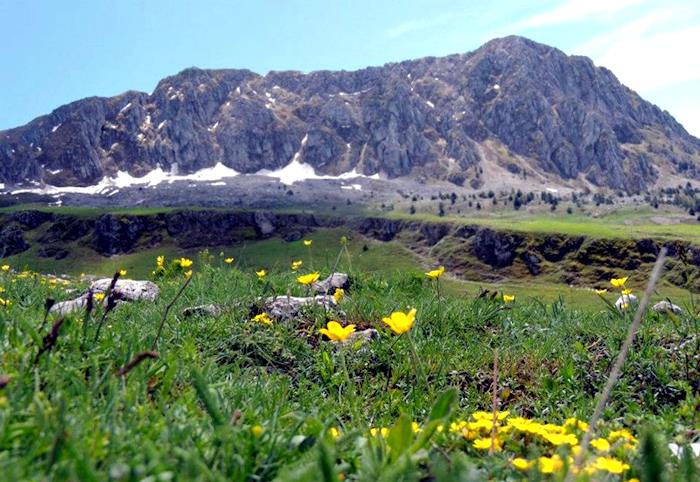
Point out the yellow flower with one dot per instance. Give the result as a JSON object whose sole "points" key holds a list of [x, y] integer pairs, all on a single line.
{"points": [[508, 298], [5, 303], [401, 322], [336, 332], [263, 318], [338, 295], [99, 296], [574, 422], [484, 443], [188, 273], [308, 279], [122, 272], [2, 290], [257, 431], [261, 274], [560, 439], [160, 261], [308, 242], [436, 273], [627, 292], [343, 240], [334, 432], [522, 464], [618, 282], [550, 465], [489, 415], [601, 291], [383, 431], [296, 264], [611, 464], [621, 434], [184, 262], [5, 267], [600, 444], [228, 260]]}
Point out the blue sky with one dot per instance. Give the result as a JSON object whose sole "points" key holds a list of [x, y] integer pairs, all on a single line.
{"points": [[53, 52]]}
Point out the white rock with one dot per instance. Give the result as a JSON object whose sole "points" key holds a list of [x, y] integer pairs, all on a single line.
{"points": [[328, 285], [626, 300], [676, 449], [285, 307], [128, 289], [665, 307]]}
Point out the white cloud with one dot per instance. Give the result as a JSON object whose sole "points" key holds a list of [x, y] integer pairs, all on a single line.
{"points": [[646, 58], [578, 10], [654, 54]]}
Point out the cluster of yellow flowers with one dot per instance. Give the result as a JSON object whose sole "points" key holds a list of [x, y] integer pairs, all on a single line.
{"points": [[263, 318], [182, 265], [517, 433]]}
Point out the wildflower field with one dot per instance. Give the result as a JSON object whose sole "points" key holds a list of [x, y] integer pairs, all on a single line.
{"points": [[391, 377]]}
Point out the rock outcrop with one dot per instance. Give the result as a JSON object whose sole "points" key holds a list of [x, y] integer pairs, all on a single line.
{"points": [[526, 107]]}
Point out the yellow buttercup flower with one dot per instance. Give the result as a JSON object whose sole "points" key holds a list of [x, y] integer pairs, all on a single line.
{"points": [[188, 273], [436, 273], [611, 465], [626, 292], [334, 432], [600, 444], [383, 431], [263, 318], [400, 322], [574, 422], [336, 332], [184, 262], [550, 465], [618, 282], [257, 431], [484, 443], [160, 261], [5, 267], [296, 264], [522, 464], [308, 242], [122, 272], [508, 298], [99, 296], [601, 291], [261, 274], [5, 303], [308, 279], [228, 260], [338, 295], [621, 434], [489, 415]]}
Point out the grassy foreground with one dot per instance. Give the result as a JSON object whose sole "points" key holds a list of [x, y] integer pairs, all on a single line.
{"points": [[228, 398]]}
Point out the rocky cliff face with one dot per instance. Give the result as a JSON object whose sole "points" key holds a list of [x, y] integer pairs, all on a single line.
{"points": [[513, 103]]}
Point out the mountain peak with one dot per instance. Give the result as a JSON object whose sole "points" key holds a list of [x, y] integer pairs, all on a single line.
{"points": [[513, 111]]}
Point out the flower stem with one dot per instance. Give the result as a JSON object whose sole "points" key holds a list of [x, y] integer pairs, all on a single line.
{"points": [[417, 367]]}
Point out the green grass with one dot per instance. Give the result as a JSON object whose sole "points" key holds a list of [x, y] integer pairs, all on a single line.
{"points": [[368, 256], [620, 223], [229, 399]]}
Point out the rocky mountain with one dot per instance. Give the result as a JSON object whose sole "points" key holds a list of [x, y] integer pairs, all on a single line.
{"points": [[512, 107]]}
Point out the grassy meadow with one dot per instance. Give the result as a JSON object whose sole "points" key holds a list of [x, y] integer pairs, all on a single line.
{"points": [[106, 395]]}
